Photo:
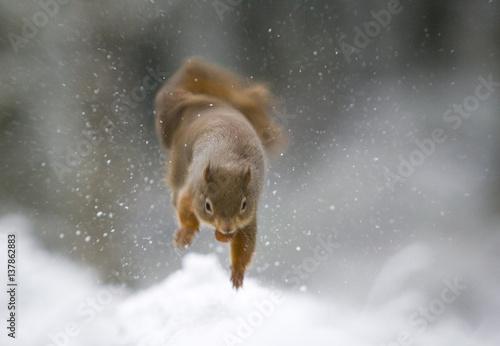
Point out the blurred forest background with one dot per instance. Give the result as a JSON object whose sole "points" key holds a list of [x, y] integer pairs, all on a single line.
{"points": [[79, 155]]}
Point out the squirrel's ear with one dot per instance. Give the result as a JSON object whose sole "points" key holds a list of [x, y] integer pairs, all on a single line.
{"points": [[206, 173], [247, 175]]}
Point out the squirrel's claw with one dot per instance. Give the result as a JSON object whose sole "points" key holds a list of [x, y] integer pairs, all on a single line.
{"points": [[183, 237], [237, 278]]}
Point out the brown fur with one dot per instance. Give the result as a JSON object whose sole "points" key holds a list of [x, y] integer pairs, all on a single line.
{"points": [[215, 128]]}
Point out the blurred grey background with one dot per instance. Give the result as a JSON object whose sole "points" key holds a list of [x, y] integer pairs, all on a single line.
{"points": [[79, 156]]}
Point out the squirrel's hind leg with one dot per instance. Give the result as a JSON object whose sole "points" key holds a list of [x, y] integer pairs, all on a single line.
{"points": [[242, 249]]}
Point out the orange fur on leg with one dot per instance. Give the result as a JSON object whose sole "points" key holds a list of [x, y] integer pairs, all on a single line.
{"points": [[242, 249], [189, 224]]}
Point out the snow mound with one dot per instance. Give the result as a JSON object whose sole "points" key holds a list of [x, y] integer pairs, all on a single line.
{"points": [[60, 304], [197, 303]]}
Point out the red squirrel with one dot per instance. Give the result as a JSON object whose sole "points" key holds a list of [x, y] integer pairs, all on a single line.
{"points": [[215, 128]]}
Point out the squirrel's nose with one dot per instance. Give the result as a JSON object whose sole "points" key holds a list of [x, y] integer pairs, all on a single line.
{"points": [[227, 229]]}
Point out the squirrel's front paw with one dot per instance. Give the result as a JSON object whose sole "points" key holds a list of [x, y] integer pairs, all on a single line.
{"points": [[237, 278], [184, 236]]}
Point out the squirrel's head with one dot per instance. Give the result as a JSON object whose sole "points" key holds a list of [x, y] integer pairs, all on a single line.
{"points": [[226, 201]]}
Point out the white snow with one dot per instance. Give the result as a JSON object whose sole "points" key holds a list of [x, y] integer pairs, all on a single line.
{"points": [[60, 303]]}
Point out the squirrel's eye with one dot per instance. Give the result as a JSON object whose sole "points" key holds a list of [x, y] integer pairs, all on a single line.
{"points": [[244, 204], [208, 206]]}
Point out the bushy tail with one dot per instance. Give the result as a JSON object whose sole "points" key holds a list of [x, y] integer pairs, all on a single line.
{"points": [[200, 82]]}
